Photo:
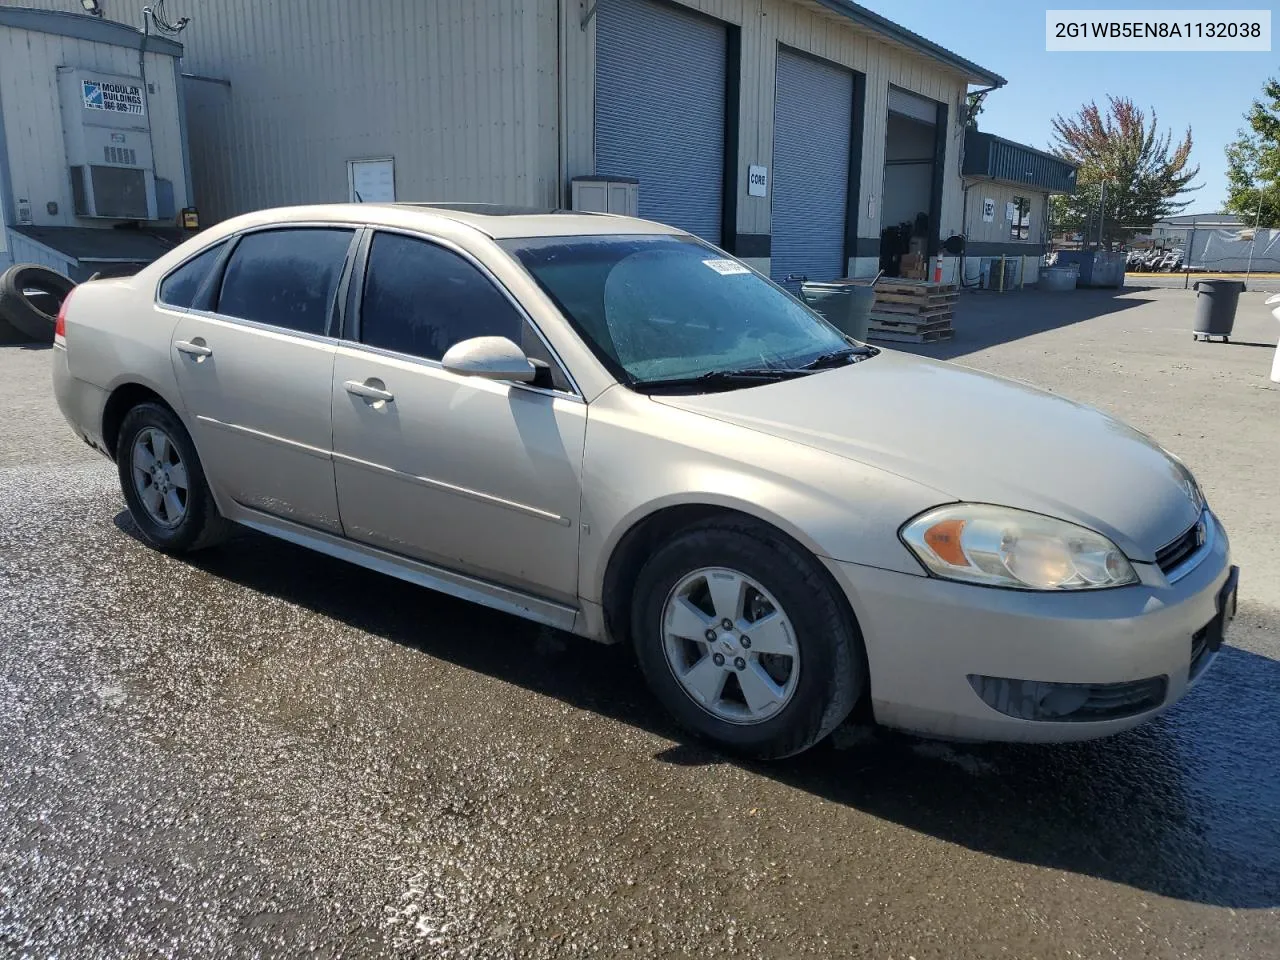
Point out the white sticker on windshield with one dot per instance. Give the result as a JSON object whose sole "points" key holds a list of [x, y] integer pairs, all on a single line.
{"points": [[726, 268]]}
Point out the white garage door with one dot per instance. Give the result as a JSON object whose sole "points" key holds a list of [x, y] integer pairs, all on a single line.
{"points": [[812, 123], [660, 109]]}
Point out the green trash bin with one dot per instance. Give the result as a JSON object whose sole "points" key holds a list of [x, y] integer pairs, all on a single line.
{"points": [[846, 306]]}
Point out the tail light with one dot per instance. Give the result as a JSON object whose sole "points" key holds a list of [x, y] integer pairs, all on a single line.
{"points": [[60, 327]]}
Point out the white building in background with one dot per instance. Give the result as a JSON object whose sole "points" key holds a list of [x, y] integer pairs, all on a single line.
{"points": [[790, 132], [91, 139], [1007, 186], [1175, 232]]}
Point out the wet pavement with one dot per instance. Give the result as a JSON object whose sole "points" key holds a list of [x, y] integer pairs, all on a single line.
{"points": [[262, 752]]}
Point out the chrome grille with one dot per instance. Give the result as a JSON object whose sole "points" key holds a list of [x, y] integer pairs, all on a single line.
{"points": [[1174, 553]]}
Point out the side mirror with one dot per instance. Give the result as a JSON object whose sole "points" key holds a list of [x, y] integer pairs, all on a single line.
{"points": [[494, 358]]}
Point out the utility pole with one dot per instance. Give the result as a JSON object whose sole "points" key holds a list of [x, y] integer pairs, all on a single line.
{"points": [[1257, 218], [1102, 212], [1186, 261]]}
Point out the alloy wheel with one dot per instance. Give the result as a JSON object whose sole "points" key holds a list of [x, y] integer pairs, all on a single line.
{"points": [[730, 645], [159, 477]]}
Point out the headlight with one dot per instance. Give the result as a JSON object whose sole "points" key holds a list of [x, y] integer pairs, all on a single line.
{"points": [[1004, 547]]}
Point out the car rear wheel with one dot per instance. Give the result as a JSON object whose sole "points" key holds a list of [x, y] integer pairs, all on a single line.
{"points": [[163, 482], [741, 636]]}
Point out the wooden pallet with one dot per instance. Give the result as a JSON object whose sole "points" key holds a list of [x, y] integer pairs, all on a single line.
{"points": [[894, 296], [912, 311], [909, 326], [919, 288], [929, 308], [898, 336]]}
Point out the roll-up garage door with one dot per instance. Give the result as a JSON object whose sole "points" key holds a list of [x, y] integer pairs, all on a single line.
{"points": [[812, 123], [660, 106]]}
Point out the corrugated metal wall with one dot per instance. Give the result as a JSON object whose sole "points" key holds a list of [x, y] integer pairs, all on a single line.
{"points": [[462, 93], [811, 28], [660, 109], [23, 250], [999, 230], [451, 89], [33, 115], [812, 119]]}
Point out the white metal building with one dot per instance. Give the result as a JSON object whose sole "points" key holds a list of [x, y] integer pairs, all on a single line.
{"points": [[787, 131], [1007, 186], [91, 137]]}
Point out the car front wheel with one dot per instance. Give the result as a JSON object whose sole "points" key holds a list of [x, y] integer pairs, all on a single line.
{"points": [[742, 637]]}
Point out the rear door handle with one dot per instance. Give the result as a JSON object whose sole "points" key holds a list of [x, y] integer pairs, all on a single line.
{"points": [[370, 390], [192, 349]]}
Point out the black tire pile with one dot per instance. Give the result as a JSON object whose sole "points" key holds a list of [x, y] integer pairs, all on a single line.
{"points": [[30, 297]]}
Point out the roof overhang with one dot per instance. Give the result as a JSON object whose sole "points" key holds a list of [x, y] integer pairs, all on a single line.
{"points": [[98, 245], [81, 26], [912, 41]]}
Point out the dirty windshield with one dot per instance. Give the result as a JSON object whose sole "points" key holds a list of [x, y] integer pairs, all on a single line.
{"points": [[668, 308]]}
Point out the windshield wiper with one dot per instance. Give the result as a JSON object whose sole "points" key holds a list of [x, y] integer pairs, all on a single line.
{"points": [[838, 358], [724, 378]]}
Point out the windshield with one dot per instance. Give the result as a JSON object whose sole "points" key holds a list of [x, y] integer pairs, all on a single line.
{"points": [[670, 308]]}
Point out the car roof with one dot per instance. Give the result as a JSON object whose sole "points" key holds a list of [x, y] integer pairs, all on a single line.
{"points": [[497, 221]]}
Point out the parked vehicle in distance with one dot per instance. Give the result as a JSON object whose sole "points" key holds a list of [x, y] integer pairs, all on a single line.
{"points": [[609, 426]]}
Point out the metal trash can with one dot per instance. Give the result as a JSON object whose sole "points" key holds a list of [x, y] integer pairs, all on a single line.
{"points": [[846, 306], [1216, 302], [1057, 278]]}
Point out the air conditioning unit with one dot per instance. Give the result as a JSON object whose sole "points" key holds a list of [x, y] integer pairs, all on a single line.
{"points": [[106, 131]]}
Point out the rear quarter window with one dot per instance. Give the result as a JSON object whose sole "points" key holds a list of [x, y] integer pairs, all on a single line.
{"points": [[180, 287]]}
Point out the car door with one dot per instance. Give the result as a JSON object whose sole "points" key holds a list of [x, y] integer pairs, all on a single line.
{"points": [[479, 476], [255, 372]]}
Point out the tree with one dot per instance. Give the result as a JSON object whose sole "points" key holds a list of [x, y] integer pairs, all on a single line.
{"points": [[1253, 162], [1144, 172], [974, 101]]}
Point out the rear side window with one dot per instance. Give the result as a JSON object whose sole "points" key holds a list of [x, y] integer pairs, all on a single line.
{"points": [[421, 299], [287, 278], [179, 288]]}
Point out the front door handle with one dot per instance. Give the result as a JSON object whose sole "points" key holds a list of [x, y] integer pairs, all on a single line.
{"points": [[370, 390], [192, 349]]}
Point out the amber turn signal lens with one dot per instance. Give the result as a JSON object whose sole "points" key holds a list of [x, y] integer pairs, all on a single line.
{"points": [[944, 540]]}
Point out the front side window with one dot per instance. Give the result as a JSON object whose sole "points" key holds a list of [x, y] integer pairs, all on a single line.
{"points": [[420, 299], [663, 308], [286, 278], [180, 287]]}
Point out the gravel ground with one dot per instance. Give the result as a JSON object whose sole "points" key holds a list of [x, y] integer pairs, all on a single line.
{"points": [[263, 752]]}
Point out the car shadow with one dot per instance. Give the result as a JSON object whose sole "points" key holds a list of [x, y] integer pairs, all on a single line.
{"points": [[984, 318], [1186, 806]]}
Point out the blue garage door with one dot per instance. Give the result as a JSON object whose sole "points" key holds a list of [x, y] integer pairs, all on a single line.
{"points": [[660, 93], [812, 121]]}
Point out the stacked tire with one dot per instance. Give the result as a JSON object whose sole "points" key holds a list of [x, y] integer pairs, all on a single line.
{"points": [[30, 297]]}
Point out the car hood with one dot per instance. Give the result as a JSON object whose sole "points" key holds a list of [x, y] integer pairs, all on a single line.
{"points": [[976, 437]]}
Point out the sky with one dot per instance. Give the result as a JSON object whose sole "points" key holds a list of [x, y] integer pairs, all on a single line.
{"points": [[1209, 92]]}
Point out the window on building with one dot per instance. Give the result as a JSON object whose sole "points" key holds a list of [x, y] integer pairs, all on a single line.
{"points": [[421, 299], [180, 287], [286, 278], [1020, 227]]}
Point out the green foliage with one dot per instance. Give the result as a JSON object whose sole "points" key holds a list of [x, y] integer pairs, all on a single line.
{"points": [[975, 107], [1145, 172], [1253, 162]]}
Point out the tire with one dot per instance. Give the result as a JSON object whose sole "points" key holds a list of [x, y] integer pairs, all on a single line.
{"points": [[198, 524], [32, 317], [831, 661]]}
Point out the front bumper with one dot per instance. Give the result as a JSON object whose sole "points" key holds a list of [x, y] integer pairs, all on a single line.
{"points": [[926, 637]]}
